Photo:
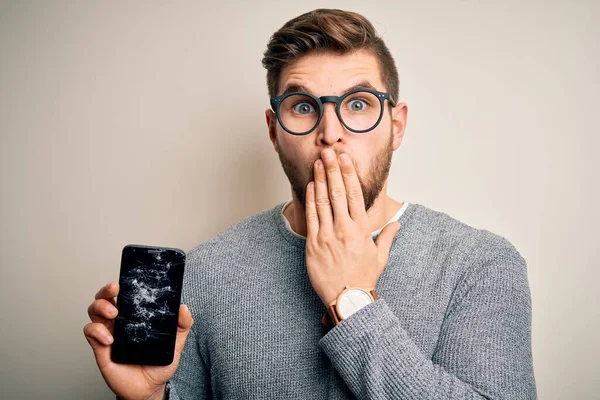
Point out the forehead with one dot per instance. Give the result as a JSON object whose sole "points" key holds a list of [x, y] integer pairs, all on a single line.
{"points": [[331, 74]]}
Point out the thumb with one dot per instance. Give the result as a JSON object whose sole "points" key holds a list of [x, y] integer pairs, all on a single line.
{"points": [[183, 329], [386, 237]]}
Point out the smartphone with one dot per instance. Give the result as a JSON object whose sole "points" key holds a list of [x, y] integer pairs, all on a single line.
{"points": [[150, 285]]}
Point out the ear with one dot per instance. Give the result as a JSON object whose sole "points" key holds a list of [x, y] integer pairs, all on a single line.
{"points": [[271, 119], [399, 115]]}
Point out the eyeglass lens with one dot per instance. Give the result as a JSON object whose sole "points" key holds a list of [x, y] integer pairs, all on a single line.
{"points": [[359, 111]]}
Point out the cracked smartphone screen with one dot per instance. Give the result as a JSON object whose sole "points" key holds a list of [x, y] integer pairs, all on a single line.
{"points": [[148, 302]]}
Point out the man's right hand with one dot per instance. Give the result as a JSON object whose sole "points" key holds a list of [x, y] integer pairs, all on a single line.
{"points": [[129, 382]]}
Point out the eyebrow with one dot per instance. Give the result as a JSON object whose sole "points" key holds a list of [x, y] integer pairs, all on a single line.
{"points": [[300, 88]]}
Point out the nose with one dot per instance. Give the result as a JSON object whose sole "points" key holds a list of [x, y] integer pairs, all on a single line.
{"points": [[330, 129]]}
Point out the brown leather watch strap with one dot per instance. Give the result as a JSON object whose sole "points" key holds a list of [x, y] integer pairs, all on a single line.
{"points": [[333, 317], [325, 320]]}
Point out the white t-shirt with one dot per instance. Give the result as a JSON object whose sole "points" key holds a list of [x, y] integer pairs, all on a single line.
{"points": [[374, 233]]}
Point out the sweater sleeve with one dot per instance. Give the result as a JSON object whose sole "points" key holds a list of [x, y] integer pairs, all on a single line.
{"points": [[192, 379], [483, 352]]}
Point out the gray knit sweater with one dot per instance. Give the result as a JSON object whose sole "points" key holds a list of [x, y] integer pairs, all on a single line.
{"points": [[453, 320]]}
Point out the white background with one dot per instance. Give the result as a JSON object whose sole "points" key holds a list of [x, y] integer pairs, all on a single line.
{"points": [[143, 122]]}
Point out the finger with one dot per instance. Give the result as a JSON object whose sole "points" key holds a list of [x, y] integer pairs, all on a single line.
{"points": [[385, 239], [100, 341], [102, 310], [184, 326], [322, 201], [356, 201], [312, 219], [108, 291], [335, 184]]}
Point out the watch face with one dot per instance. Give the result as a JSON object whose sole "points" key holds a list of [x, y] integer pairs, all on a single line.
{"points": [[352, 301]]}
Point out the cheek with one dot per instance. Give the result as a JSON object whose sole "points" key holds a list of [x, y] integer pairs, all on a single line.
{"points": [[361, 155], [288, 143], [367, 153], [295, 153]]}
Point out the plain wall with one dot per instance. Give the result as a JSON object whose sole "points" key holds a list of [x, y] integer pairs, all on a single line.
{"points": [[143, 122]]}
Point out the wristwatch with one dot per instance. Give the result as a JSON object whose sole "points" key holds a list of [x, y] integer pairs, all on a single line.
{"points": [[349, 301]]}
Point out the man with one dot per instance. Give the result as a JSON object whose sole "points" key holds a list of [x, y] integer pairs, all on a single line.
{"points": [[342, 292]]}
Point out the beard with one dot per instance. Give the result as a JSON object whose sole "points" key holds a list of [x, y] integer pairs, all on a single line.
{"points": [[371, 185]]}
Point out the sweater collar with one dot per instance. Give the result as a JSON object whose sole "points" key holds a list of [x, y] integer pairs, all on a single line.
{"points": [[300, 241]]}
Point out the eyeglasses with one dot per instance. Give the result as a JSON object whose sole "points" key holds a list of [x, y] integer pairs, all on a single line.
{"points": [[360, 111]]}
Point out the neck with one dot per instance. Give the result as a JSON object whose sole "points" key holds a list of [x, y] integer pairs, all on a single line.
{"points": [[382, 210]]}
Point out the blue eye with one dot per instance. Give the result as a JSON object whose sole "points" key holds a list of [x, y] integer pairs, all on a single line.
{"points": [[357, 105], [304, 108]]}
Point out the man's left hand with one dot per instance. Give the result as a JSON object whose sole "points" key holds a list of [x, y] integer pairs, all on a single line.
{"points": [[340, 249]]}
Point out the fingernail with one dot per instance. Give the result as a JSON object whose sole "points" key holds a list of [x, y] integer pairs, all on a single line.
{"points": [[344, 158], [329, 154], [319, 164], [108, 339]]}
